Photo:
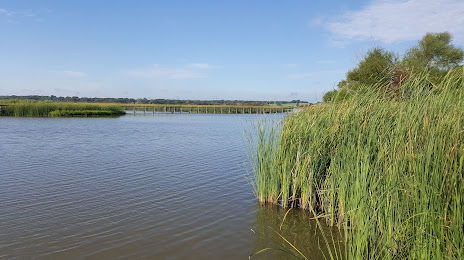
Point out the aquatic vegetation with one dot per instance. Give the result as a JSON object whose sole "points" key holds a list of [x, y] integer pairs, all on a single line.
{"points": [[386, 168], [48, 108]]}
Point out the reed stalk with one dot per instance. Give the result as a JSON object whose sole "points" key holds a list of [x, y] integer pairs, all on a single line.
{"points": [[386, 167]]}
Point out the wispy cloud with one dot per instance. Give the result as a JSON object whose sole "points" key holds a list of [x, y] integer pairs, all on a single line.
{"points": [[17, 16], [158, 72], [7, 15], [399, 20], [6, 12], [68, 73], [199, 66], [290, 65]]}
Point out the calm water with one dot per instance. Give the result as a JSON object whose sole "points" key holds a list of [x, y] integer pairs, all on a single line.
{"points": [[163, 186]]}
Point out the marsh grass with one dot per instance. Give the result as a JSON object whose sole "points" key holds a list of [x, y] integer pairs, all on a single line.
{"points": [[23, 108], [386, 168]]}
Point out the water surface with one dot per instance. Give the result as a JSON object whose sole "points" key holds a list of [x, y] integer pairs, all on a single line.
{"points": [[163, 186]]}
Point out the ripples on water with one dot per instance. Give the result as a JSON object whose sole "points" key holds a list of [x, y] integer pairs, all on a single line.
{"points": [[165, 186]]}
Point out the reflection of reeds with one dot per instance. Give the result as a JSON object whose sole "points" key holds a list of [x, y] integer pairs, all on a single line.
{"points": [[277, 234], [48, 108], [387, 168], [83, 113]]}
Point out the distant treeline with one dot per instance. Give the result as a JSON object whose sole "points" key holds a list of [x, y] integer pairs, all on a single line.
{"points": [[151, 101]]}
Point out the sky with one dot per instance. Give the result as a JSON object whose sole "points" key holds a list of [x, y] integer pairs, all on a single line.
{"points": [[245, 50]]}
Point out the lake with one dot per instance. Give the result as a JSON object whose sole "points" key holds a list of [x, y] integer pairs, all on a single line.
{"points": [[159, 186]]}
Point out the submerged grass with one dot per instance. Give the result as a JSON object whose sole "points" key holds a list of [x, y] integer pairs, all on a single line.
{"points": [[385, 168], [48, 108]]}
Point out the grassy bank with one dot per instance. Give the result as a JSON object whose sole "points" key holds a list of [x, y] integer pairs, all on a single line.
{"points": [[386, 168], [48, 108]]}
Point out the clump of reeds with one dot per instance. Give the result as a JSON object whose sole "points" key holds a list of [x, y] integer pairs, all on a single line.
{"points": [[264, 149], [386, 167], [49, 108]]}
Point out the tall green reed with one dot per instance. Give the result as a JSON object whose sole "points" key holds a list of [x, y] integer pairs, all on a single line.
{"points": [[385, 167], [264, 145]]}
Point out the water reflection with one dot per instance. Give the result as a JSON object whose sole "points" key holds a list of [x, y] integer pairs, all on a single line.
{"points": [[163, 186], [270, 231]]}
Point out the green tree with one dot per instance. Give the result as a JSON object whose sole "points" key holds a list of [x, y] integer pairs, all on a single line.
{"points": [[434, 53], [376, 67], [336, 96], [329, 96]]}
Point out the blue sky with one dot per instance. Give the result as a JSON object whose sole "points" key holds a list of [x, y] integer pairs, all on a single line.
{"points": [[248, 50]]}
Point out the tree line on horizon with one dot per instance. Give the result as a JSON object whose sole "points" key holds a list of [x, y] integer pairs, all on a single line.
{"points": [[149, 101], [434, 54]]}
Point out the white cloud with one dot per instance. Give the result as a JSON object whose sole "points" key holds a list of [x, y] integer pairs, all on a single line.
{"points": [[399, 20], [157, 72]]}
